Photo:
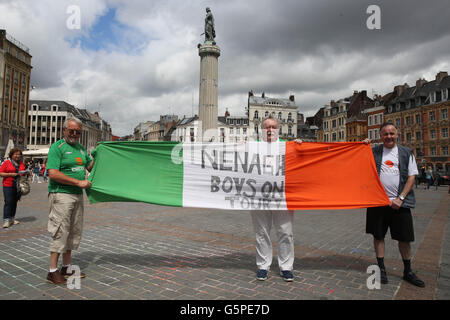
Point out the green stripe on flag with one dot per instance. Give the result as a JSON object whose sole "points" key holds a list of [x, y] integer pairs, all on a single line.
{"points": [[137, 171]]}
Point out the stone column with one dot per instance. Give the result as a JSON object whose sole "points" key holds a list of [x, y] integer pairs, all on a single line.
{"points": [[208, 92]]}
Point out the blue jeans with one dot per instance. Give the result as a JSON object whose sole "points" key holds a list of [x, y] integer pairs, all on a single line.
{"points": [[10, 196]]}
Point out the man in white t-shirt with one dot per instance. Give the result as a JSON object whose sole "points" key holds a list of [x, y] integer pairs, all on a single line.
{"points": [[282, 220], [397, 168]]}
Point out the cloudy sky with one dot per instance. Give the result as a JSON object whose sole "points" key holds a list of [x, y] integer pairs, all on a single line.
{"points": [[133, 60]]}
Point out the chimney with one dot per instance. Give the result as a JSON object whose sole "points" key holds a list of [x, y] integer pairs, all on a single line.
{"points": [[263, 95], [420, 83], [400, 88], [355, 92], [292, 98], [227, 114], [441, 75], [250, 93], [364, 93], [332, 103]]}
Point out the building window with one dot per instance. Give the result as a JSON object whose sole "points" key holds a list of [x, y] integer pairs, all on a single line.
{"points": [[397, 107], [290, 130], [433, 134], [444, 94], [444, 114], [390, 109], [266, 114], [418, 136], [408, 120], [444, 133], [432, 116], [370, 120], [334, 124], [244, 131], [231, 131], [289, 116], [256, 114], [238, 131], [397, 123], [408, 104], [433, 97], [433, 151], [334, 136], [445, 151], [417, 118], [408, 136], [279, 115]]}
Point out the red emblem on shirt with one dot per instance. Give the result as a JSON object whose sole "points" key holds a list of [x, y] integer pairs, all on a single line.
{"points": [[389, 163]]}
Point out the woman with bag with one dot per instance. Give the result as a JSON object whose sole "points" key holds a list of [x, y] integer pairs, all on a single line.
{"points": [[10, 171]]}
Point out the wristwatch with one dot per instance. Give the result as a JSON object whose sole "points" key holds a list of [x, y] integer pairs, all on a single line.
{"points": [[401, 197]]}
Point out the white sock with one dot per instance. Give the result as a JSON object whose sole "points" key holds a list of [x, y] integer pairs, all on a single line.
{"points": [[66, 265], [53, 270]]}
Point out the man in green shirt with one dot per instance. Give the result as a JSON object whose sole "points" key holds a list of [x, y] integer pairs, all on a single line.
{"points": [[66, 164]]}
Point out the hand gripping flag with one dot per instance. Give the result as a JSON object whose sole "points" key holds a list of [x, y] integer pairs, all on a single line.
{"points": [[246, 176]]}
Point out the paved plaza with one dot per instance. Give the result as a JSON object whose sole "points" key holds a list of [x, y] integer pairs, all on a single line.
{"points": [[143, 251]]}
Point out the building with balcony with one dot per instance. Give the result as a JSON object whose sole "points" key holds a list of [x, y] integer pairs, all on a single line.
{"points": [[15, 71], [285, 110], [46, 119], [421, 115]]}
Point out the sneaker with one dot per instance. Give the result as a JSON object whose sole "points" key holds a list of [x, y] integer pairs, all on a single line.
{"points": [[261, 275], [6, 224], [56, 277], [65, 274], [287, 275], [383, 276], [15, 221], [412, 278]]}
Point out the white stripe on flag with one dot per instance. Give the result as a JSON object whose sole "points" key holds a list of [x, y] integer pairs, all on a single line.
{"points": [[248, 176]]}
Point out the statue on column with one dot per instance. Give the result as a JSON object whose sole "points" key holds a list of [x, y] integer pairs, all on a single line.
{"points": [[210, 33]]}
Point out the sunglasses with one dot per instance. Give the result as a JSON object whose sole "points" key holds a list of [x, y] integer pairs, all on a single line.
{"points": [[74, 132]]}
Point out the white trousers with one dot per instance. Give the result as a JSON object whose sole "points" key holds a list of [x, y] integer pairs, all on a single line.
{"points": [[282, 221]]}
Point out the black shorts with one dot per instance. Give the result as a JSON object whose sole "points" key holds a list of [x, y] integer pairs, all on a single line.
{"points": [[399, 222]]}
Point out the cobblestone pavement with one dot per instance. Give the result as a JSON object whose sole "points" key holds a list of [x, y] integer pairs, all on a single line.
{"points": [[143, 251]]}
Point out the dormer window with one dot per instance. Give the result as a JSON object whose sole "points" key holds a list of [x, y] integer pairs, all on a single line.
{"points": [[417, 102], [390, 109], [433, 97], [397, 107], [444, 94], [408, 104]]}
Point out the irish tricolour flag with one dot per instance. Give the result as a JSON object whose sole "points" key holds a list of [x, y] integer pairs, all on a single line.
{"points": [[245, 176]]}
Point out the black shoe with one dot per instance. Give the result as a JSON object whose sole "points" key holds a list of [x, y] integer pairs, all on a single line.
{"points": [[261, 275], [412, 278], [383, 276]]}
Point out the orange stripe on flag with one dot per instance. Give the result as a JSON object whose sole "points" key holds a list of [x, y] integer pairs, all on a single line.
{"points": [[332, 176]]}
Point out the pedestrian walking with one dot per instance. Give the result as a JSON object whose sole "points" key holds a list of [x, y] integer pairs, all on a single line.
{"points": [[10, 171]]}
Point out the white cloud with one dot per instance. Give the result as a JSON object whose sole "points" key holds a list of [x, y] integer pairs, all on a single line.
{"points": [[317, 50]]}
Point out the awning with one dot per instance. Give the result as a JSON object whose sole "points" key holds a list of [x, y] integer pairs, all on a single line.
{"points": [[38, 152]]}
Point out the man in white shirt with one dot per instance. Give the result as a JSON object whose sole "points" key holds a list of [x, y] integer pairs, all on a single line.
{"points": [[397, 168], [282, 220]]}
